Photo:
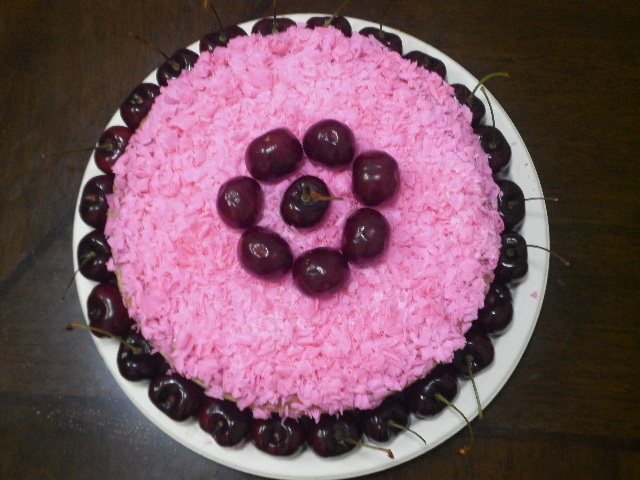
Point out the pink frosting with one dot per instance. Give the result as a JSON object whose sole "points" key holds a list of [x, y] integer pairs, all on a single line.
{"points": [[264, 342]]}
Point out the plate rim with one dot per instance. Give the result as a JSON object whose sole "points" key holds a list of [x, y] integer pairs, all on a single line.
{"points": [[361, 461]]}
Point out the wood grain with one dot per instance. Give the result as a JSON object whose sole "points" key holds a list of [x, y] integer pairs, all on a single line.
{"points": [[570, 409]]}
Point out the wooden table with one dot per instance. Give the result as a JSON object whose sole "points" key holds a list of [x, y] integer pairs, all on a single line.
{"points": [[571, 408]]}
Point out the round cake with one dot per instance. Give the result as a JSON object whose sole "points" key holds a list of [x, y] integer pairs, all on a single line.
{"points": [[264, 343]]}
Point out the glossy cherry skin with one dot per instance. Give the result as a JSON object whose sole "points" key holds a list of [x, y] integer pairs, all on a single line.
{"points": [[264, 253], [330, 143], [138, 366], [479, 347], [175, 396], [136, 106], [273, 155], [493, 143], [320, 271], [511, 204], [227, 424], [420, 397], [240, 202], [111, 146], [428, 62], [365, 236], [213, 40], [106, 310], [341, 23], [277, 436], [496, 314], [513, 261], [93, 254], [298, 208], [475, 104], [93, 201], [375, 178], [376, 422], [388, 39], [267, 26], [333, 436], [183, 59]]}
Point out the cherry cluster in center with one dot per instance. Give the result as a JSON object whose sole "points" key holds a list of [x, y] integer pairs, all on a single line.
{"points": [[276, 154]]}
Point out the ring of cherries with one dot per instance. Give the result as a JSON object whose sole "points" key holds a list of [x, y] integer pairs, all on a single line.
{"points": [[304, 204], [278, 153]]}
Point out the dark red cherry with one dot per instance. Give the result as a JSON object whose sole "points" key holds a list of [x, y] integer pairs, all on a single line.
{"points": [[378, 423], [365, 236], [320, 271], [227, 424], [333, 436], [277, 436], [479, 350], [213, 40], [512, 263], [93, 254], [305, 202], [511, 204], [269, 26], [341, 23], [376, 177], [493, 142], [496, 314], [111, 146], [273, 155], [475, 104], [240, 202], [106, 310], [388, 39], [264, 253], [428, 62], [175, 396], [183, 59], [137, 105], [420, 396], [330, 143], [93, 201], [142, 365]]}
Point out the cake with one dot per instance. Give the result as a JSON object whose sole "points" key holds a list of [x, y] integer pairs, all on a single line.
{"points": [[265, 344]]}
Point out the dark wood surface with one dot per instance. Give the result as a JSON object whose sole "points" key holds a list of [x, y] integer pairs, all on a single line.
{"points": [[571, 408]]}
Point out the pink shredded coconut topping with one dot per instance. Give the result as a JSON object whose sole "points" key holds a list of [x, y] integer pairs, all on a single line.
{"points": [[265, 343]]}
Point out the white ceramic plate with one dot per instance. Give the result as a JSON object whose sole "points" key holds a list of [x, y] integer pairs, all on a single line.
{"points": [[527, 298]]}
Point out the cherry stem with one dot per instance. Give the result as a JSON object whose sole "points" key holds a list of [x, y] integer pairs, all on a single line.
{"points": [[209, 5], [564, 261], [82, 264], [74, 326], [475, 388], [467, 449], [335, 14], [310, 195], [546, 199], [405, 427], [108, 146], [492, 144], [493, 118], [360, 443], [65, 152], [274, 29], [149, 44], [484, 79], [317, 197]]}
